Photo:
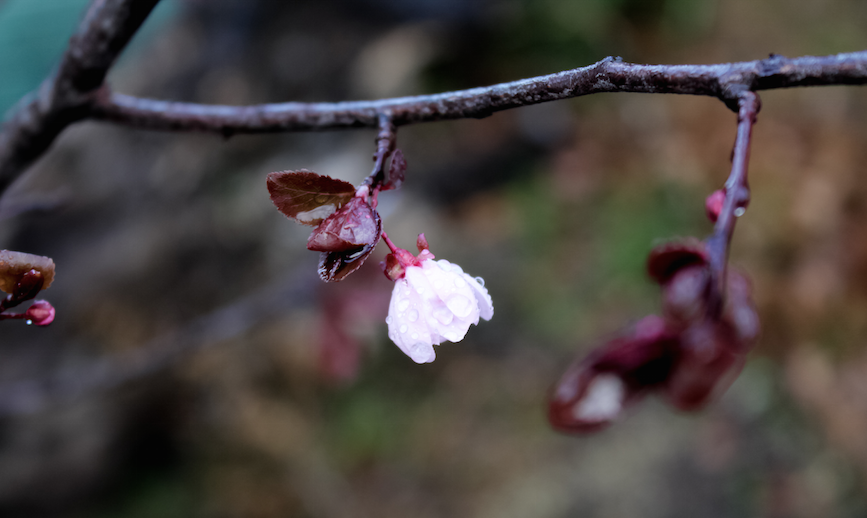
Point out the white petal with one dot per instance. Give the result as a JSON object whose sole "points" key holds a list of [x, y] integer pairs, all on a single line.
{"points": [[421, 352], [486, 305]]}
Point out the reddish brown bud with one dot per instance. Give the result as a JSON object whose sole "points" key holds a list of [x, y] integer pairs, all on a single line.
{"points": [[684, 296], [707, 364], [40, 313], [666, 259], [421, 243], [714, 203], [739, 311]]}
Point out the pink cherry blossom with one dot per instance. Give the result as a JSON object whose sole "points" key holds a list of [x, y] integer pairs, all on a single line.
{"points": [[432, 302]]}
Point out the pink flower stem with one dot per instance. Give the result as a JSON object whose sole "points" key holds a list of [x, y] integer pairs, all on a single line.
{"points": [[388, 242], [737, 196]]}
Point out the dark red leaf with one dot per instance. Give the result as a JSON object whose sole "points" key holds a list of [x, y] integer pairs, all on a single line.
{"points": [[396, 171], [307, 197], [335, 266], [355, 225], [666, 259], [707, 365], [595, 391]]}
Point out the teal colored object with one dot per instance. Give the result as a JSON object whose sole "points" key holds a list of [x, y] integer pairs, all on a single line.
{"points": [[34, 34]]}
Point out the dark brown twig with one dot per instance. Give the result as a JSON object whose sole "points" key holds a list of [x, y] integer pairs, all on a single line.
{"points": [[77, 92], [737, 197], [724, 81], [385, 142]]}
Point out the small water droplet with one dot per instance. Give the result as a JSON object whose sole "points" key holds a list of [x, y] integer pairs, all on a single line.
{"points": [[413, 315], [452, 336], [444, 316], [415, 336], [402, 305], [739, 212], [28, 322], [480, 281], [388, 320], [403, 328], [460, 282], [459, 305]]}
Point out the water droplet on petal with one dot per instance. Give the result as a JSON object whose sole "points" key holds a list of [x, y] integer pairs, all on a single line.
{"points": [[480, 281], [460, 282], [422, 352], [415, 336], [459, 305], [740, 212], [402, 305], [403, 328], [413, 315], [444, 315], [388, 320]]}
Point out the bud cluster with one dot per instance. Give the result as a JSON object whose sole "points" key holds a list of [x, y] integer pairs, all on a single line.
{"points": [[688, 355], [22, 277]]}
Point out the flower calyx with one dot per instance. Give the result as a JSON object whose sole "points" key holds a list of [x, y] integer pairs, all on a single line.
{"points": [[398, 260]]}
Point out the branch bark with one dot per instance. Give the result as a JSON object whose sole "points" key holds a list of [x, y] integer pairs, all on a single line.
{"points": [[76, 91], [724, 81]]}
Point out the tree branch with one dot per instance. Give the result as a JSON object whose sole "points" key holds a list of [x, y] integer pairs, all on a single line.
{"points": [[76, 91], [67, 94], [724, 81], [737, 198]]}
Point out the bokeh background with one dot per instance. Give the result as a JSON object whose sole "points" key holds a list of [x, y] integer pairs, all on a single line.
{"points": [[199, 368]]}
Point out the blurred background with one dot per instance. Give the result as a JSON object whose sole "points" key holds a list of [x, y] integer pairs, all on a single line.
{"points": [[198, 367]]}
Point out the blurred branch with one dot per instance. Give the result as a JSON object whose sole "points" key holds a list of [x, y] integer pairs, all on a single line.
{"points": [[104, 374], [737, 197], [67, 95]]}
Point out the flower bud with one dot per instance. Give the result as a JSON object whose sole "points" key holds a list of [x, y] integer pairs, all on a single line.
{"points": [[40, 313], [714, 203], [668, 258], [684, 296]]}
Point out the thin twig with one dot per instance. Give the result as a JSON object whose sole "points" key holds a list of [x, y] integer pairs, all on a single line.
{"points": [[737, 197], [385, 142]]}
